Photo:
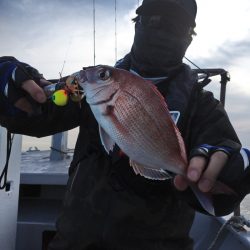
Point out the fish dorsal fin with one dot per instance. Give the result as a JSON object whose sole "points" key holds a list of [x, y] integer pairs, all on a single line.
{"points": [[149, 173], [107, 142]]}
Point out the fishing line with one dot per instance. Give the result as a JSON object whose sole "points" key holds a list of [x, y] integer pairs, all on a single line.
{"points": [[206, 80], [65, 57], [195, 65]]}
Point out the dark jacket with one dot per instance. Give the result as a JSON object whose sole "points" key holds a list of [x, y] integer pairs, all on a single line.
{"points": [[106, 204]]}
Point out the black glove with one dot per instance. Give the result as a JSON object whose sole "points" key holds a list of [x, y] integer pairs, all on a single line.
{"points": [[235, 174], [12, 75]]}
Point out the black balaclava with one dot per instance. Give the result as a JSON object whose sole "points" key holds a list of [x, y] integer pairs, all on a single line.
{"points": [[163, 32]]}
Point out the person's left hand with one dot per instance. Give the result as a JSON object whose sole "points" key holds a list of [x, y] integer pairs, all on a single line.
{"points": [[202, 172]]}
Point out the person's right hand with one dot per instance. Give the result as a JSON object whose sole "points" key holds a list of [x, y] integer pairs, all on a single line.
{"points": [[22, 88], [35, 91]]}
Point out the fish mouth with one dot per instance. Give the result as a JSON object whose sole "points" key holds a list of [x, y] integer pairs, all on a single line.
{"points": [[81, 76], [106, 100]]}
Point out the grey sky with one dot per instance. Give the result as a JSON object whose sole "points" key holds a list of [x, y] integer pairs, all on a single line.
{"points": [[52, 31], [227, 53]]}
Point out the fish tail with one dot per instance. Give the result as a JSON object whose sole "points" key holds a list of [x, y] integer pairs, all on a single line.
{"points": [[205, 199]]}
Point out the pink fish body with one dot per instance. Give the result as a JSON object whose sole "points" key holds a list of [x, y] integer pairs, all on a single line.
{"points": [[133, 114]]}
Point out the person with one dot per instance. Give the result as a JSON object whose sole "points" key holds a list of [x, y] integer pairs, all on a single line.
{"points": [[106, 205]]}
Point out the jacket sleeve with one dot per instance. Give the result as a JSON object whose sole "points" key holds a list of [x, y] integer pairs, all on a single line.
{"points": [[209, 124], [50, 120]]}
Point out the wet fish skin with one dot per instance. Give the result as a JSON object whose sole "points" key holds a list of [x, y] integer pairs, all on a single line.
{"points": [[134, 114]]}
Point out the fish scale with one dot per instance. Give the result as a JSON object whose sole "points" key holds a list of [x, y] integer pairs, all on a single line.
{"points": [[138, 130], [157, 108], [138, 121], [144, 140], [120, 112]]}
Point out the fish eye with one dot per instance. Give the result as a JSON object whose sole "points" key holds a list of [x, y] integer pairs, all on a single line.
{"points": [[104, 74]]}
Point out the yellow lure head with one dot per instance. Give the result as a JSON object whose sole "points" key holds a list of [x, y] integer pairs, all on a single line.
{"points": [[60, 97]]}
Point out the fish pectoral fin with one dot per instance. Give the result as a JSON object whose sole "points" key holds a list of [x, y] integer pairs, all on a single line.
{"points": [[149, 173], [107, 142]]}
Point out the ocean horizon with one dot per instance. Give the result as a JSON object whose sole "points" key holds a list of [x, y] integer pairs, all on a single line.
{"points": [[44, 143]]}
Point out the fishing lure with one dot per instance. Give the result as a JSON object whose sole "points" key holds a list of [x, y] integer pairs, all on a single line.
{"points": [[60, 92]]}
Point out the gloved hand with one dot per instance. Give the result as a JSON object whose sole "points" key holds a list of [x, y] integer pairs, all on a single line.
{"points": [[20, 86], [209, 164]]}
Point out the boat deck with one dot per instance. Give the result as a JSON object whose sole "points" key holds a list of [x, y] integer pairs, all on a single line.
{"points": [[36, 168]]}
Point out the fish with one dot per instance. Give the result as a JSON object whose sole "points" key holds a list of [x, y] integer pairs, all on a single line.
{"points": [[134, 115]]}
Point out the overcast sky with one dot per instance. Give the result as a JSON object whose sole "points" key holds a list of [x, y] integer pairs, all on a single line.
{"points": [[47, 33]]}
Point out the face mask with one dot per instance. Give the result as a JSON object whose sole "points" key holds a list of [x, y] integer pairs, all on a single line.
{"points": [[157, 50]]}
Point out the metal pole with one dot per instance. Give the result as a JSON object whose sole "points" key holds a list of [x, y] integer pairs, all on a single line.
{"points": [[224, 79], [223, 87], [115, 31], [59, 146], [94, 30]]}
